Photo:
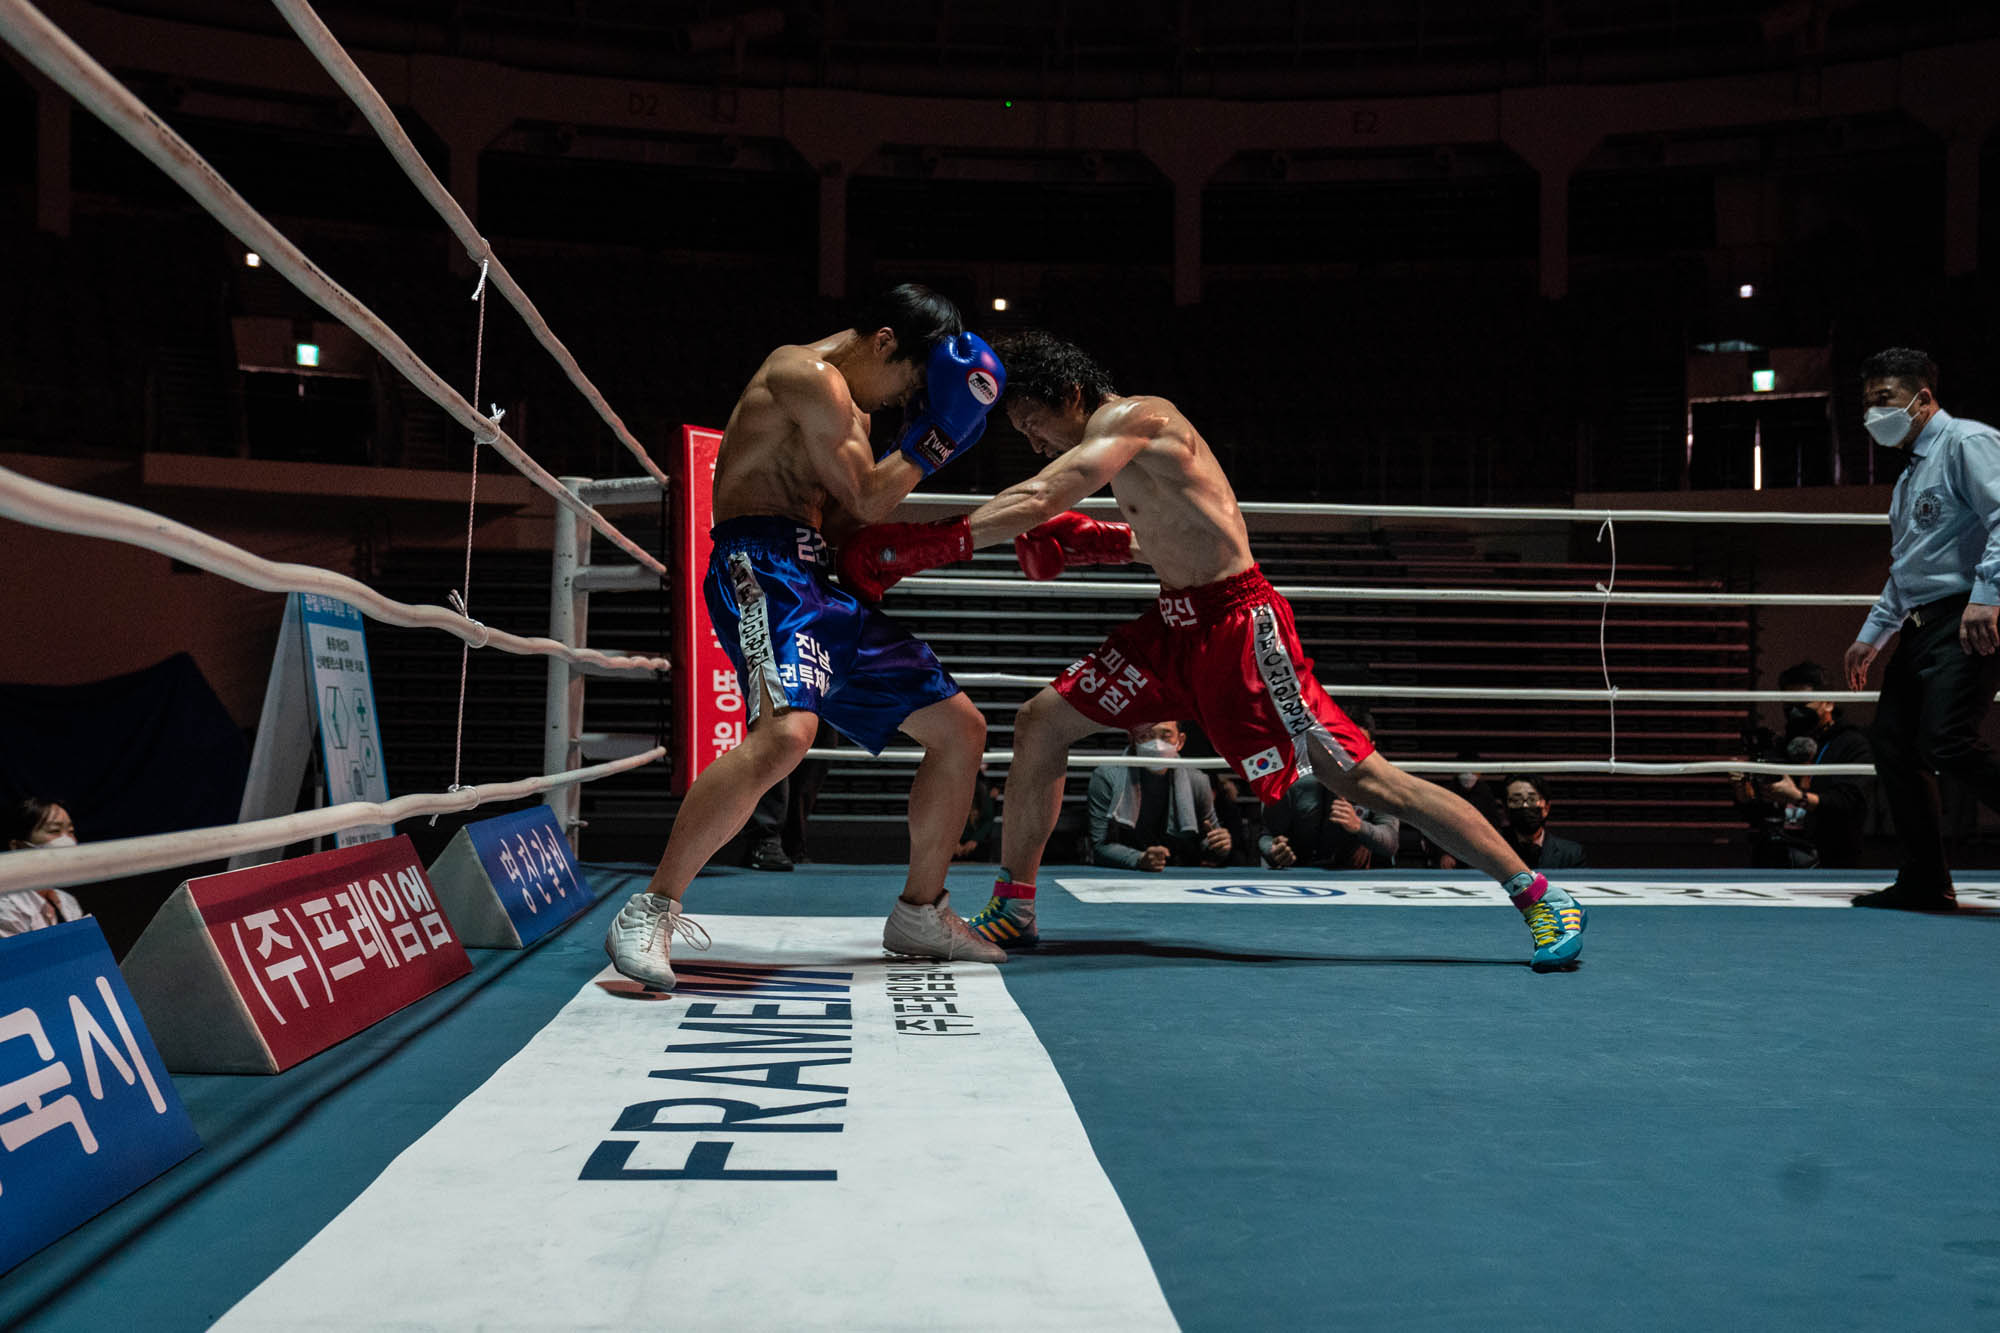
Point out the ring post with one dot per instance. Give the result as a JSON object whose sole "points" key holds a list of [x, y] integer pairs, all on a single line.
{"points": [[562, 728]]}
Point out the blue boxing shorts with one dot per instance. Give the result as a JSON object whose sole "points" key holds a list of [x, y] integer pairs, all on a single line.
{"points": [[786, 624]]}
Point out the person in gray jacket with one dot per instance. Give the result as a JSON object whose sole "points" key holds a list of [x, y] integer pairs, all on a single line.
{"points": [[1312, 826], [1151, 818]]}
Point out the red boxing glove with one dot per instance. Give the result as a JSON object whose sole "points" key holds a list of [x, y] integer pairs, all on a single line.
{"points": [[1072, 539], [879, 557]]}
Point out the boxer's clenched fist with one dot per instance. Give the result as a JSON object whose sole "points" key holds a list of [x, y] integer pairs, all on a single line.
{"points": [[879, 557], [1069, 539]]}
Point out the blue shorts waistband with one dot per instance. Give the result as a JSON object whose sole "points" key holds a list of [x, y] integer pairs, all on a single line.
{"points": [[772, 534]]}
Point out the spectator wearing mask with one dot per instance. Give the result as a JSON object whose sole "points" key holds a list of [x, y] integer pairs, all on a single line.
{"points": [[1817, 819], [1527, 807], [29, 824], [1151, 818], [1312, 826]]}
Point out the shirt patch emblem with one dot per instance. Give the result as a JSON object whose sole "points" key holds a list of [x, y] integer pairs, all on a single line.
{"points": [[1266, 762], [1928, 511]]}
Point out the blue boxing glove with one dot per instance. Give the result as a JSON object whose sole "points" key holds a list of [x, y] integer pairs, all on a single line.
{"points": [[963, 381]]}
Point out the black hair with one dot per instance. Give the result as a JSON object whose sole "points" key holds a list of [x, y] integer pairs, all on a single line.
{"points": [[1913, 368], [1044, 368], [1807, 673], [19, 819], [1530, 779], [919, 317]]}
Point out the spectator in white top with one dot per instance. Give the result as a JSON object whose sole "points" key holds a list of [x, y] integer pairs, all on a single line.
{"points": [[30, 823]]}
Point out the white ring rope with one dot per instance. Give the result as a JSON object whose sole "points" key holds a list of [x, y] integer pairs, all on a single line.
{"points": [[44, 506], [1109, 588], [1626, 767], [51, 51], [1496, 513], [327, 48], [54, 867], [1486, 692]]}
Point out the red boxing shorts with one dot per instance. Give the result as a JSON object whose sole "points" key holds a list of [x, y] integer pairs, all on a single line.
{"points": [[1226, 655]]}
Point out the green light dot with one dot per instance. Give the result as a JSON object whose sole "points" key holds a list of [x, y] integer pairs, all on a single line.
{"points": [[1007, 104]]}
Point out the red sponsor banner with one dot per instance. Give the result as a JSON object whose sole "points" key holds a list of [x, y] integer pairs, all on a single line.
{"points": [[321, 947], [708, 700]]}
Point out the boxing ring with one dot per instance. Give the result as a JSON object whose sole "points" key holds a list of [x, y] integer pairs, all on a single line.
{"points": [[1232, 1116]]}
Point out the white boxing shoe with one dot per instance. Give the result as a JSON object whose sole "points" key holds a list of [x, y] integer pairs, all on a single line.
{"points": [[641, 938], [936, 932]]}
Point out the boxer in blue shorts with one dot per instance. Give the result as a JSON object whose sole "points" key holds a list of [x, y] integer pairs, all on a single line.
{"points": [[795, 462]]}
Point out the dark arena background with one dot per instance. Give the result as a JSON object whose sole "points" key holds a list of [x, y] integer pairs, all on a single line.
{"points": [[341, 495]]}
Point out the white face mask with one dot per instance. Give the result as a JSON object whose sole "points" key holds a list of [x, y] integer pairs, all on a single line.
{"points": [[1156, 749], [1468, 780], [1888, 425], [64, 841]]}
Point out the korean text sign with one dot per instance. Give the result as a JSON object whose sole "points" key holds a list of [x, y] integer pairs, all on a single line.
{"points": [[529, 862], [87, 1112], [321, 947], [708, 699]]}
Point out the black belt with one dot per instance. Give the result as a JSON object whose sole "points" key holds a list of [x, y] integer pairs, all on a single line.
{"points": [[1931, 612]]}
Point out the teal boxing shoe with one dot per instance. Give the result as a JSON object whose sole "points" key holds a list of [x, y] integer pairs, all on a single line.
{"points": [[1556, 922]]}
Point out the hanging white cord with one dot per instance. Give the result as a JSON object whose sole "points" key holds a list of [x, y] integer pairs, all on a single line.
{"points": [[462, 597], [1610, 529]]}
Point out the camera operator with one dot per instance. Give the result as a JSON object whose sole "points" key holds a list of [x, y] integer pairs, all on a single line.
{"points": [[1803, 821]]}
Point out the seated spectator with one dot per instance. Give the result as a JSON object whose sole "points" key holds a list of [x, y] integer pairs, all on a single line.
{"points": [[1527, 806], [1807, 821], [1312, 826], [36, 823], [976, 843], [1151, 818]]}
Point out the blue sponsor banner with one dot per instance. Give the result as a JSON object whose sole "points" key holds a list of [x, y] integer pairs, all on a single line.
{"points": [[87, 1112], [529, 862]]}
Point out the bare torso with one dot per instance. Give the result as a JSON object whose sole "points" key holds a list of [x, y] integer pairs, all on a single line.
{"points": [[763, 465], [1173, 493]]}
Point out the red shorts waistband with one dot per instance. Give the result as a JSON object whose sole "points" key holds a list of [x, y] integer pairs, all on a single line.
{"points": [[1210, 602]]}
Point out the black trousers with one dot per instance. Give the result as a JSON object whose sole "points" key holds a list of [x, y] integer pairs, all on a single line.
{"points": [[1934, 697]]}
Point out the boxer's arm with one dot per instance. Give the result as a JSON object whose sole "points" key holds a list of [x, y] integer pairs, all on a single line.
{"points": [[815, 396], [1084, 470]]}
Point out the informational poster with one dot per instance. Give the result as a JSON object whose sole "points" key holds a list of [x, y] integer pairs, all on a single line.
{"points": [[343, 697], [708, 699]]}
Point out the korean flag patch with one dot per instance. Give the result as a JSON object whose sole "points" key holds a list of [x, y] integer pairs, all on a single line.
{"points": [[1263, 763]]}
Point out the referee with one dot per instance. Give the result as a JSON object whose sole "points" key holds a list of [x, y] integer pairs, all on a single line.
{"points": [[1944, 564]]}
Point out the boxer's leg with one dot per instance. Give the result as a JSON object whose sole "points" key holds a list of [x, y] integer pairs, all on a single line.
{"points": [[922, 923], [640, 938], [1044, 729], [1443, 816], [953, 735], [1555, 920], [721, 799]]}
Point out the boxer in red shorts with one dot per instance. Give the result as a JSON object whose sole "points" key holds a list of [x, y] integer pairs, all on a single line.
{"points": [[1219, 646]]}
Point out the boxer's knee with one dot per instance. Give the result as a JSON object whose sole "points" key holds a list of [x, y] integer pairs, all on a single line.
{"points": [[778, 741], [951, 726]]}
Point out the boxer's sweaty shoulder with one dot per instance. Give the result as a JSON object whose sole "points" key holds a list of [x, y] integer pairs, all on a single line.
{"points": [[1180, 505], [763, 466]]}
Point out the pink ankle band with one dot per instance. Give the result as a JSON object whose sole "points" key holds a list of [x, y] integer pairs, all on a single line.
{"points": [[1007, 888], [1531, 895]]}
